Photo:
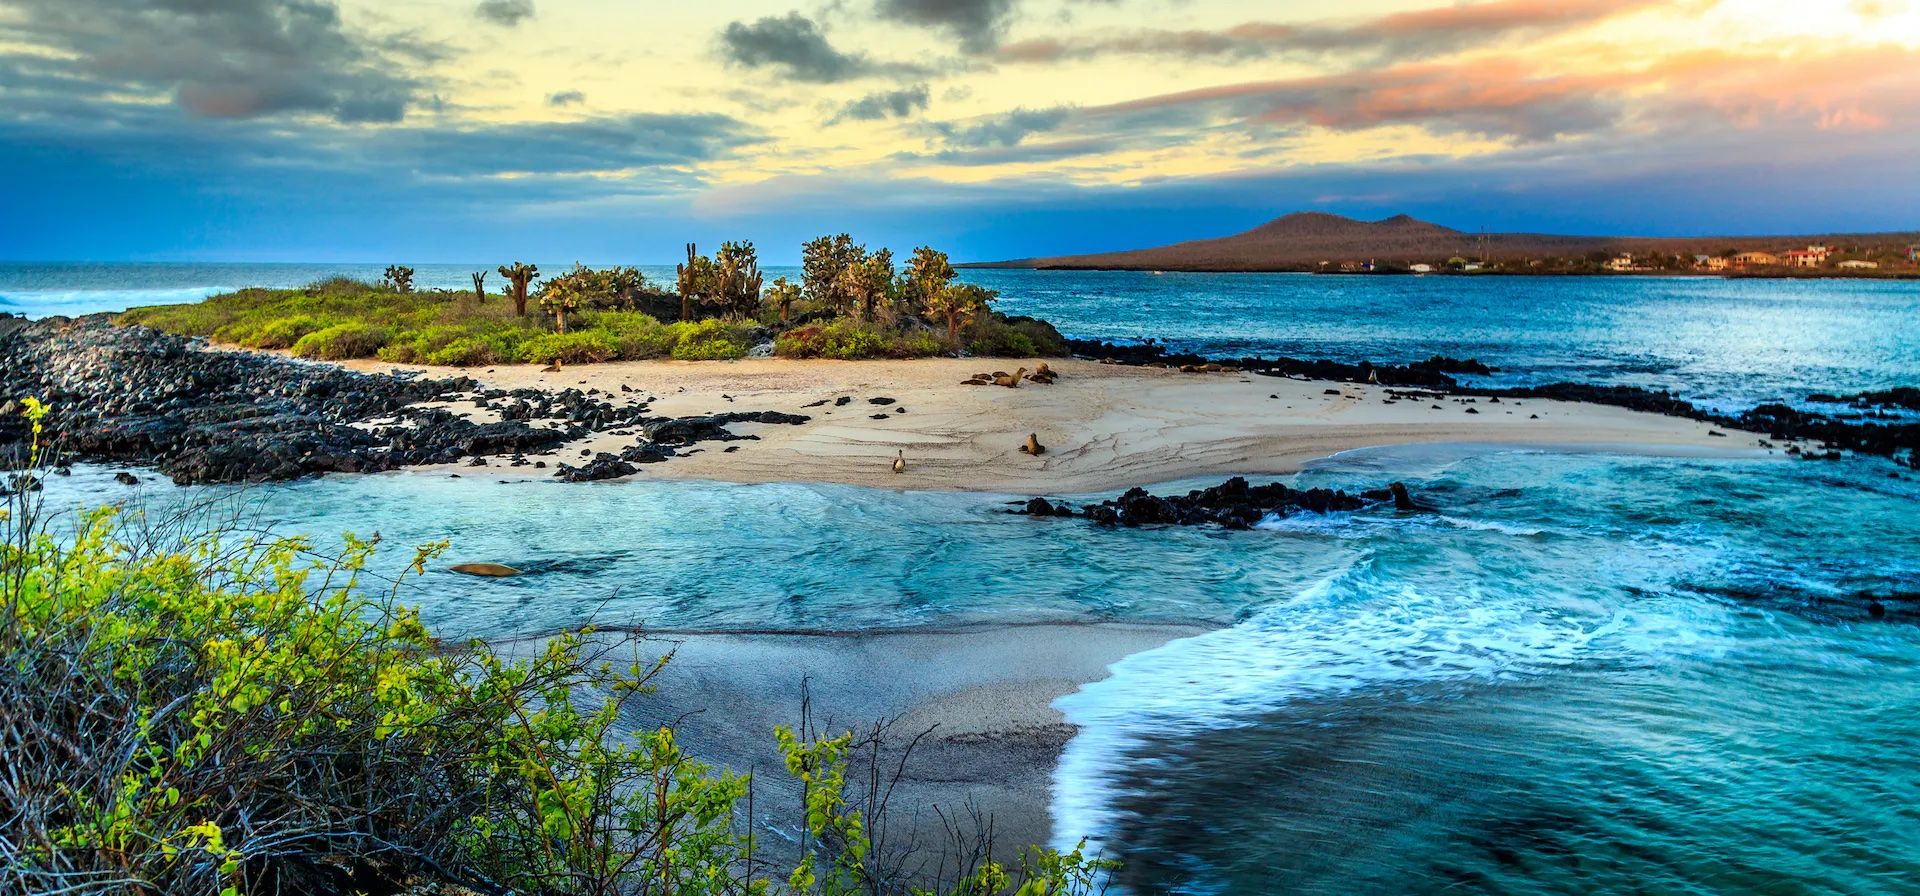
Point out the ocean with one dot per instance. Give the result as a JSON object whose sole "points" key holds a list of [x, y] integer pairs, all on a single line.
{"points": [[1588, 673]]}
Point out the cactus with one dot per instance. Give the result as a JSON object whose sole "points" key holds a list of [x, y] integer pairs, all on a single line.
{"points": [[519, 275], [480, 287]]}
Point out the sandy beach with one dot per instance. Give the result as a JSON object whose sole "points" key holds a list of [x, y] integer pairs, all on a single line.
{"points": [[1104, 426]]}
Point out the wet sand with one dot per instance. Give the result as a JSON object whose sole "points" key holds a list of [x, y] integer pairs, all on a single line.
{"points": [[1105, 427]]}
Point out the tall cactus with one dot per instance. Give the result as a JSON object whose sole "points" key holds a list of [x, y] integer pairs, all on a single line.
{"points": [[519, 275], [480, 287], [692, 280]]}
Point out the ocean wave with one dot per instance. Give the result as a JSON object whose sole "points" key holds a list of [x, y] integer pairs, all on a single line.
{"points": [[1359, 629]]}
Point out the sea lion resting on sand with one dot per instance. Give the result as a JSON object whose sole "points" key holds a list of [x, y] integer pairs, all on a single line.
{"points": [[1009, 380], [1033, 445]]}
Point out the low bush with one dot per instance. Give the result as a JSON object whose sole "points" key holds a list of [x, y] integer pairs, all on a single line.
{"points": [[282, 332], [708, 340], [1017, 337], [472, 351], [849, 340], [578, 347], [342, 342]]}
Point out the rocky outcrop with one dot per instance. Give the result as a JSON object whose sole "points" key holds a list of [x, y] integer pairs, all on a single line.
{"points": [[140, 396], [1234, 504]]}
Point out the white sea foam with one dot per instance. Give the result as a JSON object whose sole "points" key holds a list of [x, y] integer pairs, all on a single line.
{"points": [[1357, 629]]}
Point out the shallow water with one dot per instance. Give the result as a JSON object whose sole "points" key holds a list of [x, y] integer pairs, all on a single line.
{"points": [[1586, 673], [1728, 343]]}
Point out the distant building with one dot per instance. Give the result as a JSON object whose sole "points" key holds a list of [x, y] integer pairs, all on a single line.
{"points": [[1422, 268], [1913, 253], [1811, 257], [1709, 263], [1755, 259], [1621, 262], [1858, 265], [1472, 266]]}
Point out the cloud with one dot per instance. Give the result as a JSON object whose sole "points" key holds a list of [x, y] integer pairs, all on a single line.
{"points": [[792, 43], [226, 59], [1005, 129], [1401, 35], [978, 24], [600, 145], [566, 98], [885, 104], [505, 13]]}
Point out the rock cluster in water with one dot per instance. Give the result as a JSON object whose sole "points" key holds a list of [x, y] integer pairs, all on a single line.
{"points": [[1432, 373], [1234, 504], [135, 395]]}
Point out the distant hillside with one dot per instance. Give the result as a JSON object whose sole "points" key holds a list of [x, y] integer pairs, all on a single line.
{"points": [[1302, 240]]}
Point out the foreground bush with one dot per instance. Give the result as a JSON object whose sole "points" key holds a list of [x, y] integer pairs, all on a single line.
{"points": [[227, 714], [850, 340], [342, 342]]}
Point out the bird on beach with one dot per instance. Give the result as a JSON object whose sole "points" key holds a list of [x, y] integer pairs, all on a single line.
{"points": [[900, 461]]}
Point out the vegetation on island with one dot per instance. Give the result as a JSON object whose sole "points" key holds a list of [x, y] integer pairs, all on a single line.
{"points": [[233, 713], [849, 303]]}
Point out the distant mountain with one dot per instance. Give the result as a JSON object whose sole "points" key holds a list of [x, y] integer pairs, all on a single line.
{"points": [[1302, 240]]}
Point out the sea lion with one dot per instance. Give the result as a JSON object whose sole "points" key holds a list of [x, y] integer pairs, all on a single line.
{"points": [[1012, 380], [1033, 445]]}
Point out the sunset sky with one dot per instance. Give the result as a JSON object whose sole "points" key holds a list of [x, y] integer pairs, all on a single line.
{"points": [[450, 130]]}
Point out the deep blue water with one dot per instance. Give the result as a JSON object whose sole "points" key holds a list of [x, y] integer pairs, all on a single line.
{"points": [[1727, 343], [1589, 673]]}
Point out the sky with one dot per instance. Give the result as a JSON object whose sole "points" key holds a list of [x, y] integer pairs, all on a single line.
{"points": [[614, 130]]}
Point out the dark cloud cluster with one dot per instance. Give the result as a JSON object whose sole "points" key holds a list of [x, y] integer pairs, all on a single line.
{"points": [[793, 44], [228, 58], [977, 24], [566, 98], [886, 104], [505, 13]]}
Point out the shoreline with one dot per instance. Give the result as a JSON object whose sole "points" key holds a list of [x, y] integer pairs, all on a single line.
{"points": [[978, 698], [1105, 427]]}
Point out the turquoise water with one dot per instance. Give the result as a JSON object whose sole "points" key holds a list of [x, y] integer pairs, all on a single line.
{"points": [[1586, 673], [1728, 343]]}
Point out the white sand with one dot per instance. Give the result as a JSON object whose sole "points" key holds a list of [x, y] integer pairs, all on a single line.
{"points": [[1104, 426]]}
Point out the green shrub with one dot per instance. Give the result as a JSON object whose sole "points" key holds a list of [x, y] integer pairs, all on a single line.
{"points": [[842, 339], [579, 347], [708, 340], [709, 350], [472, 351], [281, 332], [917, 344], [1016, 337], [341, 342]]}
